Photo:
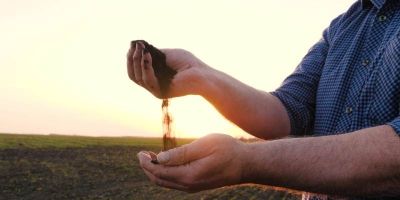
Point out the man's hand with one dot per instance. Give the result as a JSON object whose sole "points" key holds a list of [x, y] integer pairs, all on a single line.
{"points": [[268, 117], [186, 81], [362, 163], [210, 162]]}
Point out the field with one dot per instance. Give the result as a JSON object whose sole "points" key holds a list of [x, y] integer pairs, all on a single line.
{"points": [[74, 167]]}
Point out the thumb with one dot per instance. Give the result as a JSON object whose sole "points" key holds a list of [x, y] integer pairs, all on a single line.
{"points": [[181, 155]]}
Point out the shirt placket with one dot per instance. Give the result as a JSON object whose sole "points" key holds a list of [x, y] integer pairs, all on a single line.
{"points": [[350, 119]]}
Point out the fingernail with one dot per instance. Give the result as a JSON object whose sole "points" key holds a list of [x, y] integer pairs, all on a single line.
{"points": [[163, 157], [142, 153]]}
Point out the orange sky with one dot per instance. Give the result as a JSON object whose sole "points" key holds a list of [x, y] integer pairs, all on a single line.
{"points": [[62, 63]]}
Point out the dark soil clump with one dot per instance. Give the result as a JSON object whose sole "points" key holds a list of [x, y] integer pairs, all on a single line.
{"points": [[163, 72]]}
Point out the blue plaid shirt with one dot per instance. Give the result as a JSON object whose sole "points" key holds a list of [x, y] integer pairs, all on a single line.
{"points": [[350, 79]]}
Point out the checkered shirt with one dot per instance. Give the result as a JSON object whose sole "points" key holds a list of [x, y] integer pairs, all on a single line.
{"points": [[350, 79]]}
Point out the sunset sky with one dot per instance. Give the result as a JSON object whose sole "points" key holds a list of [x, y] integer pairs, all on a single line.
{"points": [[63, 64]]}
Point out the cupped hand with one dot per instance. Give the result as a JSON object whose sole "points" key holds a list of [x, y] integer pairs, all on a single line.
{"points": [[189, 70], [213, 161]]}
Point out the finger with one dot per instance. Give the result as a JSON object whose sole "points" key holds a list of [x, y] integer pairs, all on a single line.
{"points": [[175, 174], [137, 69], [133, 44], [188, 176], [149, 79], [184, 154], [129, 64], [164, 183]]}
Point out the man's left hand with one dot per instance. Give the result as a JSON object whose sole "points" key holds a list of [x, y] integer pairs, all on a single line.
{"points": [[209, 162]]}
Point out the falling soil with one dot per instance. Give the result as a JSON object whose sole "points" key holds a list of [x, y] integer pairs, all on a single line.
{"points": [[169, 140], [164, 76]]}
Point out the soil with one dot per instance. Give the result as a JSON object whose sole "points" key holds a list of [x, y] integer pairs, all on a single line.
{"points": [[98, 172], [164, 75], [169, 140], [162, 71]]}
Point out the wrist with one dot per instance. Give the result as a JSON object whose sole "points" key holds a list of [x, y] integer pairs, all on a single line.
{"points": [[205, 81], [248, 158]]}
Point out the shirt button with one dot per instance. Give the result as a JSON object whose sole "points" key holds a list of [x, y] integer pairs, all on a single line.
{"points": [[348, 110], [382, 18], [365, 62]]}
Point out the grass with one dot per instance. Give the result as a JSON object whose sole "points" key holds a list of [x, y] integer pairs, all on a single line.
{"points": [[74, 167], [63, 141]]}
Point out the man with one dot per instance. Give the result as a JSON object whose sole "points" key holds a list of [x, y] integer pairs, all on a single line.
{"points": [[346, 90]]}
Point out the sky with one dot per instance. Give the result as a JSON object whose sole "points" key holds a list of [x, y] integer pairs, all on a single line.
{"points": [[63, 62]]}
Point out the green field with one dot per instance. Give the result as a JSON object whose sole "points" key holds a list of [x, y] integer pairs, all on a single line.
{"points": [[75, 167]]}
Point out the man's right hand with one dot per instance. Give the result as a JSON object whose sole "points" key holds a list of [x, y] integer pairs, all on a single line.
{"points": [[190, 71], [258, 113]]}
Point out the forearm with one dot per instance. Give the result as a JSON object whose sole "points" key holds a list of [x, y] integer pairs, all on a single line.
{"points": [[363, 163], [257, 112]]}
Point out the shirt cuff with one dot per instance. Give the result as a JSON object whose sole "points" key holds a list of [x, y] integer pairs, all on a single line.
{"points": [[395, 124], [289, 107], [297, 113]]}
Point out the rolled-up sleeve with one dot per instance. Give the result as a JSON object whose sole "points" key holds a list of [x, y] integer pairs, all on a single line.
{"points": [[298, 91], [395, 124]]}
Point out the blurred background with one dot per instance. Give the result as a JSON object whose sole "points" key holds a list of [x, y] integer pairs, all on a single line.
{"points": [[63, 62]]}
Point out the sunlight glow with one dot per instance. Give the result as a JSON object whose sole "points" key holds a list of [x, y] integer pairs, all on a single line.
{"points": [[62, 63]]}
